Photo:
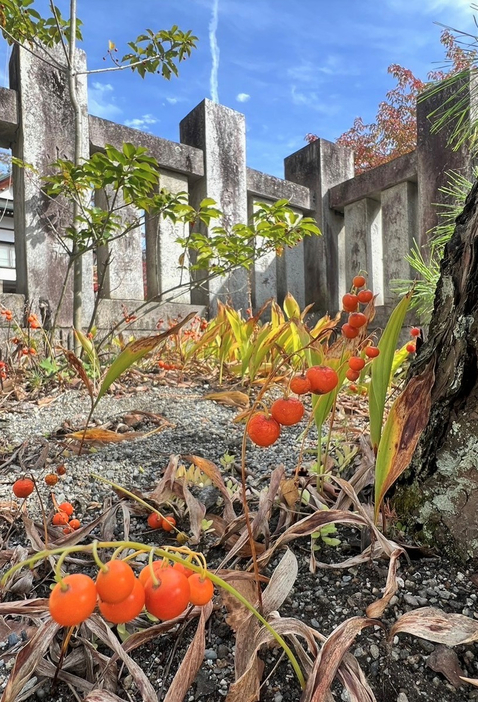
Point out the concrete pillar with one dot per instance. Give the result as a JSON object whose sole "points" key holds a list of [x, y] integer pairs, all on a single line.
{"points": [[400, 228], [46, 132], [319, 166], [291, 274], [123, 256], [162, 252], [362, 245], [264, 272], [435, 155], [221, 133]]}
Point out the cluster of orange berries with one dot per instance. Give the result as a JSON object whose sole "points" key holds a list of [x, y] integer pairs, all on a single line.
{"points": [[3, 370], [29, 351], [412, 346], [168, 366], [33, 322], [155, 521], [165, 590], [264, 428], [7, 314], [63, 517], [351, 302]]}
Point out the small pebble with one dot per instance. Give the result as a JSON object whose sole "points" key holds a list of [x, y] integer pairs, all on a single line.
{"points": [[210, 654]]}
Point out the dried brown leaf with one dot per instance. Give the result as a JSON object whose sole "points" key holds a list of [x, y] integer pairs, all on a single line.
{"points": [[471, 681], [290, 491], [331, 655], [102, 696], [192, 660], [103, 435], [27, 660], [445, 661], [435, 625], [377, 608], [214, 474], [77, 365], [231, 398]]}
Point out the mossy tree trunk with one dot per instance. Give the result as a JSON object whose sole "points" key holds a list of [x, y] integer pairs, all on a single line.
{"points": [[440, 490]]}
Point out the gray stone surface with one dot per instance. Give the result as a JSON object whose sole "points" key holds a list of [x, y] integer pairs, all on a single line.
{"points": [[221, 134], [400, 227], [46, 132], [362, 245], [262, 185], [319, 166], [9, 117]]}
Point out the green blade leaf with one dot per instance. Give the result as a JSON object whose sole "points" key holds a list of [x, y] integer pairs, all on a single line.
{"points": [[134, 352]]}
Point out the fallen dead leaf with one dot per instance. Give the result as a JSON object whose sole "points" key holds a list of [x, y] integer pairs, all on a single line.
{"points": [[232, 398], [435, 625], [445, 661]]}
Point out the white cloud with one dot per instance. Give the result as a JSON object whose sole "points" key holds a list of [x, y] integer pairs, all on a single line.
{"points": [[243, 97], [141, 122], [172, 100], [102, 102], [213, 80]]}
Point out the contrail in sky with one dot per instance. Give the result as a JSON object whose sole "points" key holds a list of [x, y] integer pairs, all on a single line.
{"points": [[214, 51]]}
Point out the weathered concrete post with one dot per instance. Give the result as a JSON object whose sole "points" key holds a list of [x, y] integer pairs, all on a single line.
{"points": [[46, 133], [362, 245], [319, 166], [221, 133], [123, 258], [162, 252], [436, 157], [399, 225]]}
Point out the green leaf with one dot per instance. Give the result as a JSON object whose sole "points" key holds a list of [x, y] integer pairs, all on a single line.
{"points": [[381, 369]]}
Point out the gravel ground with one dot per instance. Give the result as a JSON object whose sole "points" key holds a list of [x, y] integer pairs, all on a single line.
{"points": [[407, 672]]}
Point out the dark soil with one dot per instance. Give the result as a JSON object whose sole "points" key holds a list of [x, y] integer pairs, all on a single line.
{"points": [[403, 672]]}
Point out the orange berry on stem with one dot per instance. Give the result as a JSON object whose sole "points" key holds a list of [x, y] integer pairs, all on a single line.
{"points": [[411, 348], [365, 296], [287, 411], [168, 523], [23, 487], [359, 281], [127, 609], [76, 602], [145, 573], [182, 567], [322, 379], [202, 590], [155, 521], [74, 524], [415, 331], [350, 302], [372, 351], [66, 507], [299, 384], [352, 375], [356, 363], [170, 597], [116, 582], [262, 429], [349, 332], [357, 320], [60, 519]]}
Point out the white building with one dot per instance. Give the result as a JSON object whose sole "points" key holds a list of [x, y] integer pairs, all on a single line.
{"points": [[7, 245]]}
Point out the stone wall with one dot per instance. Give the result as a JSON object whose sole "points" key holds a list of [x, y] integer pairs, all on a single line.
{"points": [[368, 222]]}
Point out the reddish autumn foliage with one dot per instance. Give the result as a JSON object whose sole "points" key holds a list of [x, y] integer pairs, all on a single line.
{"points": [[394, 132]]}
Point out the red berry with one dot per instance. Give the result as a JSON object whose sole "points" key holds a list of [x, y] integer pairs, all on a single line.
{"points": [[287, 411], [66, 507], [74, 604], [352, 375], [350, 302], [357, 320], [262, 429], [299, 384], [23, 487], [116, 582], [170, 597], [127, 609], [201, 589], [51, 479], [145, 573], [372, 351], [182, 567], [61, 470], [168, 523], [411, 348], [356, 363], [415, 331], [155, 521], [359, 281], [74, 524], [322, 379], [60, 519], [349, 332], [365, 296]]}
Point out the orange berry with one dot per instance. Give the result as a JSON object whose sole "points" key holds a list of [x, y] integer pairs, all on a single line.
{"points": [[74, 524], [262, 429], [350, 302], [127, 609], [357, 320], [349, 332], [353, 388], [154, 521], [201, 590], [168, 523], [170, 597], [322, 379], [299, 384], [352, 375], [145, 573], [75, 603], [365, 296], [61, 470], [60, 519], [287, 411], [415, 331], [356, 363], [116, 582], [359, 281], [372, 351], [23, 487], [51, 479], [66, 507], [411, 348]]}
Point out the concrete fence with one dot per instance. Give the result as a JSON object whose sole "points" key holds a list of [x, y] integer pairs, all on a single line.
{"points": [[368, 222]]}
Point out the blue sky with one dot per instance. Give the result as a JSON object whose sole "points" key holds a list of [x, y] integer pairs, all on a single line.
{"points": [[291, 67]]}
